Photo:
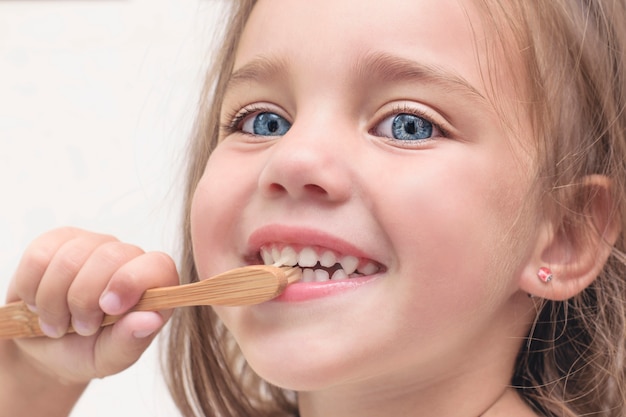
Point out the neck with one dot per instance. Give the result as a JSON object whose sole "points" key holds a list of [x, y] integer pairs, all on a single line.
{"points": [[505, 403], [381, 398]]}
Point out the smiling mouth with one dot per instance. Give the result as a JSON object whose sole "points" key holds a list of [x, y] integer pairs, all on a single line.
{"points": [[319, 264]]}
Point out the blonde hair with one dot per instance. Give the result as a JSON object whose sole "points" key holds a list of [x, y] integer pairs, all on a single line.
{"points": [[573, 364], [575, 61]]}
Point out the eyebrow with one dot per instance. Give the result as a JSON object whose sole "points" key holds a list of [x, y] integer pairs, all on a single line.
{"points": [[376, 65], [389, 68], [261, 69]]}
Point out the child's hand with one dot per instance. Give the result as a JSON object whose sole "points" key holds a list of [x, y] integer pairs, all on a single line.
{"points": [[74, 276]]}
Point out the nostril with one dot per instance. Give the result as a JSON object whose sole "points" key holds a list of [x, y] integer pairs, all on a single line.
{"points": [[312, 189], [315, 189], [275, 188]]}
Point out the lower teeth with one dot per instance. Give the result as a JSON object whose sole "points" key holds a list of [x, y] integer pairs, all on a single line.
{"points": [[322, 275], [339, 274]]}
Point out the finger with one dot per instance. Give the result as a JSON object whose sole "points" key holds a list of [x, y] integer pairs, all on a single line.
{"points": [[85, 290], [34, 263], [78, 359], [154, 269], [120, 345], [51, 298]]}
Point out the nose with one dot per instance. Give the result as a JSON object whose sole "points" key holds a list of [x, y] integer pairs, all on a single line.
{"points": [[307, 164]]}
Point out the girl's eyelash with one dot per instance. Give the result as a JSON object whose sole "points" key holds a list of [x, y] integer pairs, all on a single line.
{"points": [[408, 109], [234, 119]]}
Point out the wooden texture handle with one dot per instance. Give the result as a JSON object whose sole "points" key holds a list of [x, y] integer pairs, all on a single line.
{"points": [[241, 286]]}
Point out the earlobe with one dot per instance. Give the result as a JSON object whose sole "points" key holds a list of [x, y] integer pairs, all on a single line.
{"points": [[574, 250]]}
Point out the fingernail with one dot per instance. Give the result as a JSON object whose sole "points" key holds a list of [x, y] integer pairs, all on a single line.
{"points": [[142, 334], [50, 330], [110, 303], [83, 328], [32, 308]]}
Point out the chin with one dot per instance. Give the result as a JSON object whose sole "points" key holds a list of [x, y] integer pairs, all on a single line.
{"points": [[296, 375], [304, 366]]}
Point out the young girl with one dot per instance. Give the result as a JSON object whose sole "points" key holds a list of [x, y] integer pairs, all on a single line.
{"points": [[450, 176]]}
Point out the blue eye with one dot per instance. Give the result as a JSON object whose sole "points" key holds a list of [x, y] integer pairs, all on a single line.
{"points": [[406, 127], [265, 124]]}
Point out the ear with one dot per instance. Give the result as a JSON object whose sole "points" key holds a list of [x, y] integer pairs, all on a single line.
{"points": [[575, 252]]}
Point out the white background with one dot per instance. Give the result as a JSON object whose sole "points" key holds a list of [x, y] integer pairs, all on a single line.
{"points": [[97, 98]]}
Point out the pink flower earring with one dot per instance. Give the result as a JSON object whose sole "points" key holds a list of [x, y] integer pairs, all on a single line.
{"points": [[545, 274]]}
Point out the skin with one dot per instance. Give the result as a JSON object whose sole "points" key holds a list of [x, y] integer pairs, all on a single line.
{"points": [[452, 219], [74, 275]]}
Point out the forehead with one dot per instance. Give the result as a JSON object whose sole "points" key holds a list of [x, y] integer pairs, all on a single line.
{"points": [[330, 34], [328, 44]]}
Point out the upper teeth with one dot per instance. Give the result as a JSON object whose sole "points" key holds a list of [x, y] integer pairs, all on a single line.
{"points": [[313, 262]]}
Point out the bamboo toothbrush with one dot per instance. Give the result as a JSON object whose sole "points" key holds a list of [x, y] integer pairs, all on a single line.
{"points": [[241, 286]]}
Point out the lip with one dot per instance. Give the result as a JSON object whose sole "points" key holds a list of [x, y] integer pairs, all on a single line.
{"points": [[302, 236], [306, 291], [299, 236]]}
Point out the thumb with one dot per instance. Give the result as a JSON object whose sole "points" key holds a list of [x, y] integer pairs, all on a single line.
{"points": [[122, 344]]}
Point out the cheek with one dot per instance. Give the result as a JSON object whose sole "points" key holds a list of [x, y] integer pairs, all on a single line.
{"points": [[463, 229], [221, 194]]}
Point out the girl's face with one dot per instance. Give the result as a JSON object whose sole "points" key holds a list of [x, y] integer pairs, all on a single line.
{"points": [[359, 141]]}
